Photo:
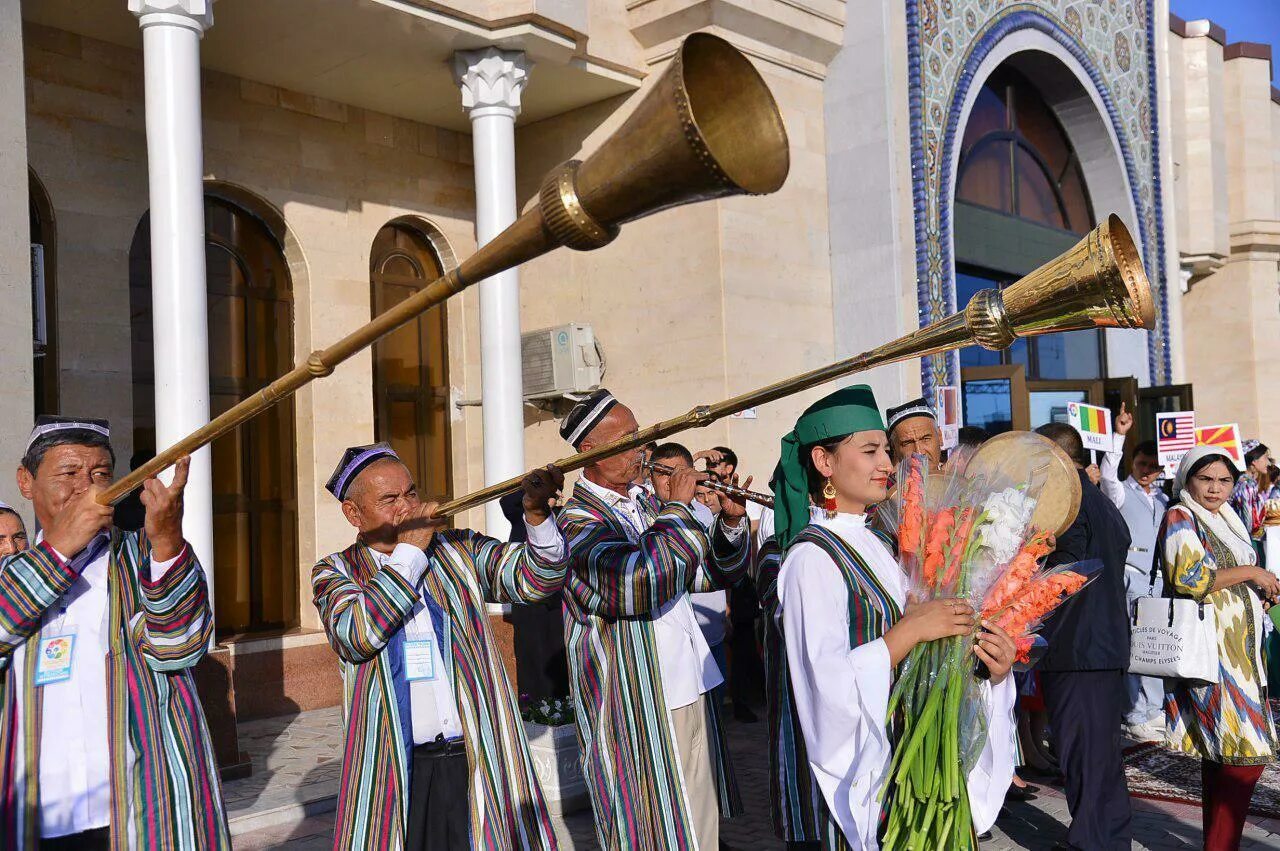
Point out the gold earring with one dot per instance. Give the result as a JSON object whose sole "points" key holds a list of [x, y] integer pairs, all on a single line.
{"points": [[829, 499]]}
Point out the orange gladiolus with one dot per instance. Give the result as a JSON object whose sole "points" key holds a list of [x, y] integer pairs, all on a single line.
{"points": [[934, 550], [912, 521], [959, 543], [1018, 574]]}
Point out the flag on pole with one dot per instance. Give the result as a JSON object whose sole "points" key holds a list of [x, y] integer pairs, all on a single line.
{"points": [[1093, 423]]}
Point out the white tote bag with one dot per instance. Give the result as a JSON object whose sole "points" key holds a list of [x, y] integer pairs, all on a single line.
{"points": [[1174, 637]]}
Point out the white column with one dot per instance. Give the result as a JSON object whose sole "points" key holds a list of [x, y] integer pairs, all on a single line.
{"points": [[491, 82], [171, 32], [15, 255]]}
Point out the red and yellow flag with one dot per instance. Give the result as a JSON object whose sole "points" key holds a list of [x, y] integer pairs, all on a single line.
{"points": [[1224, 437]]}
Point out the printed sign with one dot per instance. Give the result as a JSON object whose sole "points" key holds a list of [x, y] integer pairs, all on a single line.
{"points": [[1224, 437], [746, 414], [1093, 423], [1175, 436], [947, 407]]}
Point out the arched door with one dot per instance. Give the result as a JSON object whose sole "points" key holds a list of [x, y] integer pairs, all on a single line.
{"points": [[1021, 199], [250, 315], [410, 378], [44, 316]]}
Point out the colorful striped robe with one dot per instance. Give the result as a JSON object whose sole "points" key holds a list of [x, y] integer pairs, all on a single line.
{"points": [[799, 811], [363, 606], [629, 759], [165, 791]]}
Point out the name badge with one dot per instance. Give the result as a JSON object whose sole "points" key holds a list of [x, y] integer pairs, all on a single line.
{"points": [[54, 659], [419, 661]]}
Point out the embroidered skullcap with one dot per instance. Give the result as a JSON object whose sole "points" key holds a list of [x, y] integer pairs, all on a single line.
{"points": [[1251, 444], [353, 462], [915, 408], [844, 412], [586, 415], [48, 425]]}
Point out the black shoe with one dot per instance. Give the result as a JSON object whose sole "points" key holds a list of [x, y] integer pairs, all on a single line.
{"points": [[1020, 793], [745, 715], [983, 837]]}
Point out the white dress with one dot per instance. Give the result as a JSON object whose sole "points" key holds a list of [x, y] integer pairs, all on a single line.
{"points": [[842, 694]]}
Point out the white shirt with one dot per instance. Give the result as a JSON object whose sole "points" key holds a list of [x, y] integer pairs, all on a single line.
{"points": [[75, 738], [710, 608], [433, 705], [684, 657], [1110, 483], [842, 694]]}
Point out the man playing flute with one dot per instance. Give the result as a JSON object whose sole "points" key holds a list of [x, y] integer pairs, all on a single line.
{"points": [[653, 752]]}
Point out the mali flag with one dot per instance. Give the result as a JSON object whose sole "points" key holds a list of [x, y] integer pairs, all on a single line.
{"points": [[1093, 419]]}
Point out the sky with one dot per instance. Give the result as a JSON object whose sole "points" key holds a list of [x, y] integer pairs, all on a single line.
{"points": [[1244, 20]]}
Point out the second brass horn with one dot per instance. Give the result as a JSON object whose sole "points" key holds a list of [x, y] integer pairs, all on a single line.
{"points": [[708, 128], [1099, 282]]}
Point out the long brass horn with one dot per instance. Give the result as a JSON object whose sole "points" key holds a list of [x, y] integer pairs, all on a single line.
{"points": [[708, 128], [1099, 282]]}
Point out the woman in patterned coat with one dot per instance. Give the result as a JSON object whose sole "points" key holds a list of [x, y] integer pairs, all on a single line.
{"points": [[1207, 555]]}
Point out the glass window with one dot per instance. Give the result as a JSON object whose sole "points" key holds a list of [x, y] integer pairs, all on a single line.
{"points": [[1015, 157], [1050, 406], [988, 404]]}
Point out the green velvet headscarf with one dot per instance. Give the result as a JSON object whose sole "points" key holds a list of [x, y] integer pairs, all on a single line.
{"points": [[844, 412]]}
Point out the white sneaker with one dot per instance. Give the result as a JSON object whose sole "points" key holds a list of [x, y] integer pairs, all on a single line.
{"points": [[1148, 731]]}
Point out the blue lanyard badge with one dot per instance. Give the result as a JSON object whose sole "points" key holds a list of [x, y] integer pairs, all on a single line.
{"points": [[54, 658]]}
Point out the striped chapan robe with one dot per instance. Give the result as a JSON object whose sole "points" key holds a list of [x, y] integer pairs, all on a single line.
{"points": [[629, 759], [165, 792], [795, 802], [364, 607]]}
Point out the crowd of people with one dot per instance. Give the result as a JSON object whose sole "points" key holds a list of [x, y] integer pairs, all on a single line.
{"points": [[681, 600]]}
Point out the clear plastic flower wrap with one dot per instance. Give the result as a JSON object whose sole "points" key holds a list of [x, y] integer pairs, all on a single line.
{"points": [[972, 537]]}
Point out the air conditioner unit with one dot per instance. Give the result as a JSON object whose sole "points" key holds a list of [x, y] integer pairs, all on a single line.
{"points": [[560, 361]]}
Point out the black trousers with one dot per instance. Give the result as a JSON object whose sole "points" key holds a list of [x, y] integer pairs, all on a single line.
{"points": [[88, 840], [1085, 711], [439, 815]]}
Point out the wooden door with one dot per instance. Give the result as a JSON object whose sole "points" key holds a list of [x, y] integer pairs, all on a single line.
{"points": [[410, 375]]}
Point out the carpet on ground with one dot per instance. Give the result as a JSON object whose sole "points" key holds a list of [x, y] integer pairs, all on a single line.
{"points": [[1155, 772]]}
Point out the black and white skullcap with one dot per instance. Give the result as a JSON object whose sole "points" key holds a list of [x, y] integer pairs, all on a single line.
{"points": [[48, 425], [914, 408], [586, 415]]}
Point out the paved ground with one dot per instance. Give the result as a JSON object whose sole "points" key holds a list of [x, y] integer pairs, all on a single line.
{"points": [[300, 754]]}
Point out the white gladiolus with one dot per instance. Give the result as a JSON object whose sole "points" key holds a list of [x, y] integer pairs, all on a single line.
{"points": [[1006, 516]]}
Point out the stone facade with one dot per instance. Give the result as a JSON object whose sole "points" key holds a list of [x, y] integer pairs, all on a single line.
{"points": [[1226, 119]]}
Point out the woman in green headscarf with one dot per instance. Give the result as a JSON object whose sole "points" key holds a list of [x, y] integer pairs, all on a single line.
{"points": [[847, 623]]}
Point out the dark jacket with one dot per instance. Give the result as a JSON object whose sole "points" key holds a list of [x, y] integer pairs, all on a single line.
{"points": [[1090, 632]]}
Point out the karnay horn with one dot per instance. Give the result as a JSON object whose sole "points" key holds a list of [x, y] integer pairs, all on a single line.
{"points": [[708, 128], [1097, 283]]}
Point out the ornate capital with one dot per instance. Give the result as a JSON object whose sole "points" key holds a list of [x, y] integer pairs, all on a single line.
{"points": [[194, 14], [491, 79]]}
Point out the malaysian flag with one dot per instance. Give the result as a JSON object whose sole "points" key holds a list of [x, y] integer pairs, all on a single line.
{"points": [[1176, 432]]}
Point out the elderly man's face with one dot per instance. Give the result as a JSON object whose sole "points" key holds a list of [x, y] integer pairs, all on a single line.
{"points": [[65, 471], [917, 436], [381, 492], [13, 534], [622, 469]]}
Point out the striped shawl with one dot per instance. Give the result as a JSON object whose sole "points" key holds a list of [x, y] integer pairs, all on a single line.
{"points": [[165, 792], [799, 811], [629, 758], [363, 607]]}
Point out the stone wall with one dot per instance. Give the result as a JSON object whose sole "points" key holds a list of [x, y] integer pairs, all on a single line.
{"points": [[334, 172]]}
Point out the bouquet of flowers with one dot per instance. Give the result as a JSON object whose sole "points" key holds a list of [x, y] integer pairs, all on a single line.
{"points": [[971, 537], [550, 712]]}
